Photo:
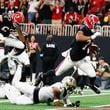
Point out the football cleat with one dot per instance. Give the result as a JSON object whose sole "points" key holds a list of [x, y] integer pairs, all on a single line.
{"points": [[95, 89], [39, 78]]}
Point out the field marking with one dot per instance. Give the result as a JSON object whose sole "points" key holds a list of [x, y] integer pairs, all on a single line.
{"points": [[90, 95], [102, 106], [50, 109], [89, 90], [4, 100]]}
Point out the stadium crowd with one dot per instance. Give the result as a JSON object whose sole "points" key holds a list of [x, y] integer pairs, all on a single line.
{"points": [[57, 11]]}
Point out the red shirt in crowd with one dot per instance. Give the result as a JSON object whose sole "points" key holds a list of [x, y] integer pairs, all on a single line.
{"points": [[72, 18], [96, 5], [57, 13], [16, 3]]}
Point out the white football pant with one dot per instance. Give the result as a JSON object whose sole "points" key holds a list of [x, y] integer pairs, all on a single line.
{"points": [[12, 41], [24, 87], [2, 51], [84, 65], [13, 92], [22, 58], [15, 96], [2, 93]]}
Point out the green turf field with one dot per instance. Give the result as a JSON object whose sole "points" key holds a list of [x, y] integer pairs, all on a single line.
{"points": [[88, 100]]}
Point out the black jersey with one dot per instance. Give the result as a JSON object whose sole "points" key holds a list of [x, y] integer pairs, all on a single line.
{"points": [[79, 48], [50, 49], [6, 25]]}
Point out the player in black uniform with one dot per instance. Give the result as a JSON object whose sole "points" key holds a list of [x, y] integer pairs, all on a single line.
{"points": [[6, 26], [17, 42], [78, 52]]}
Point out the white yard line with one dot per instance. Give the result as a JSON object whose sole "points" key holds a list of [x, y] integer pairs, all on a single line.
{"points": [[90, 95], [89, 90], [51, 109], [4, 100], [102, 106]]}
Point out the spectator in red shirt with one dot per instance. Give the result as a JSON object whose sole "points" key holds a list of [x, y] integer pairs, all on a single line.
{"points": [[57, 13], [97, 6], [71, 17], [16, 3]]}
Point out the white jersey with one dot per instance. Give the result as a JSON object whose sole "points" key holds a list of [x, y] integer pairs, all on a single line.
{"points": [[62, 89], [46, 93]]}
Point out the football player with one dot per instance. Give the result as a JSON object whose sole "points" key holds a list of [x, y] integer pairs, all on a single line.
{"points": [[78, 52], [12, 36], [9, 24], [32, 94], [6, 26]]}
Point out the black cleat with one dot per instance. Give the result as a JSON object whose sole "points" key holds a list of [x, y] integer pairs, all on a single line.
{"points": [[39, 78], [77, 103], [95, 89]]}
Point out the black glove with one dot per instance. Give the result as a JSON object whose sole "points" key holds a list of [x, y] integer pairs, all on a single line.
{"points": [[71, 105], [76, 104]]}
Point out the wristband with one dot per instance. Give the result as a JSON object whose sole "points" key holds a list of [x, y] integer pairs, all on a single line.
{"points": [[65, 105], [56, 100]]}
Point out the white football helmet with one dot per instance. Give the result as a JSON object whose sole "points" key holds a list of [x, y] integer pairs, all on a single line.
{"points": [[69, 83]]}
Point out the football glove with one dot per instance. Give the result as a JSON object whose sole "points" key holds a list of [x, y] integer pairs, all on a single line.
{"points": [[96, 34]]}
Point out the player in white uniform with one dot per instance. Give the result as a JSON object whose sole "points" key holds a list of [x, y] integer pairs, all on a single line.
{"points": [[22, 57], [32, 94], [2, 49]]}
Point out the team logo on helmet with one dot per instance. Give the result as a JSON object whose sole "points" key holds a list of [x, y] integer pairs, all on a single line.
{"points": [[17, 17], [91, 20], [69, 83]]}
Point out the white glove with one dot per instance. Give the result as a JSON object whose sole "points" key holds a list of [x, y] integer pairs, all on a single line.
{"points": [[69, 105], [2, 37], [95, 35]]}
